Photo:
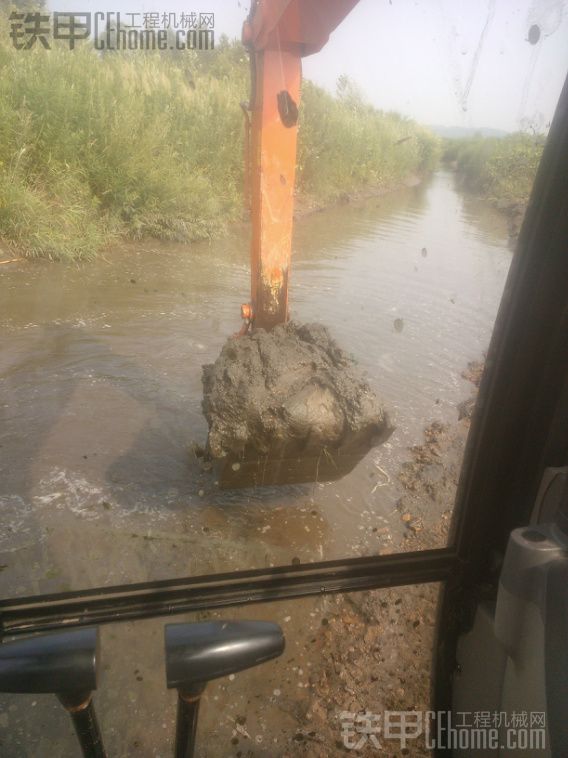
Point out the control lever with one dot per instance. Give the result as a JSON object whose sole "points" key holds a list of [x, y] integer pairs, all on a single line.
{"points": [[65, 664], [197, 653]]}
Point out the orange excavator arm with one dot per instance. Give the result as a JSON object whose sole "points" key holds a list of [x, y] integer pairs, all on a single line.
{"points": [[277, 33]]}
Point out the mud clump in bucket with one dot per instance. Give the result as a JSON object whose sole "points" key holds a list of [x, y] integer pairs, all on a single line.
{"points": [[290, 394]]}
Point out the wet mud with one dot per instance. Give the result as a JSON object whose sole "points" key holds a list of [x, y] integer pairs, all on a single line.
{"points": [[290, 393]]}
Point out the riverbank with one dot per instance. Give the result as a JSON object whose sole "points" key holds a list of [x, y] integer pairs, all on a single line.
{"points": [[514, 212], [305, 205], [94, 149], [501, 170]]}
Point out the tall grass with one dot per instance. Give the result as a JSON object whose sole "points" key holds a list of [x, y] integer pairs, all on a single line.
{"points": [[94, 147], [501, 169], [346, 144]]}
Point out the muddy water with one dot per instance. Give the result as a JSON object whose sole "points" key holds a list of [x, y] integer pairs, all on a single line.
{"points": [[100, 389]]}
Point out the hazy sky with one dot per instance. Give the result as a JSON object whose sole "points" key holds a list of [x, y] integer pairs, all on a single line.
{"points": [[449, 62]]}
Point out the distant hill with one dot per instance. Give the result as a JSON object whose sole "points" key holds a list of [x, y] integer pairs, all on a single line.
{"points": [[463, 132]]}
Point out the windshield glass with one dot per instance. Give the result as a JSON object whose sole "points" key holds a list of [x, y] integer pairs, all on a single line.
{"points": [[137, 162]]}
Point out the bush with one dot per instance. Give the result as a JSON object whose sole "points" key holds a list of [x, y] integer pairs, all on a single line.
{"points": [[502, 169]]}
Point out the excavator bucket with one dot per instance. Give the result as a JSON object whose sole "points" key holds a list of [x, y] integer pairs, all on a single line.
{"points": [[283, 468], [288, 406], [284, 403]]}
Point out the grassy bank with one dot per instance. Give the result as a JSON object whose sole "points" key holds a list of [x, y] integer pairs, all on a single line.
{"points": [[500, 169], [345, 144], [93, 147]]}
